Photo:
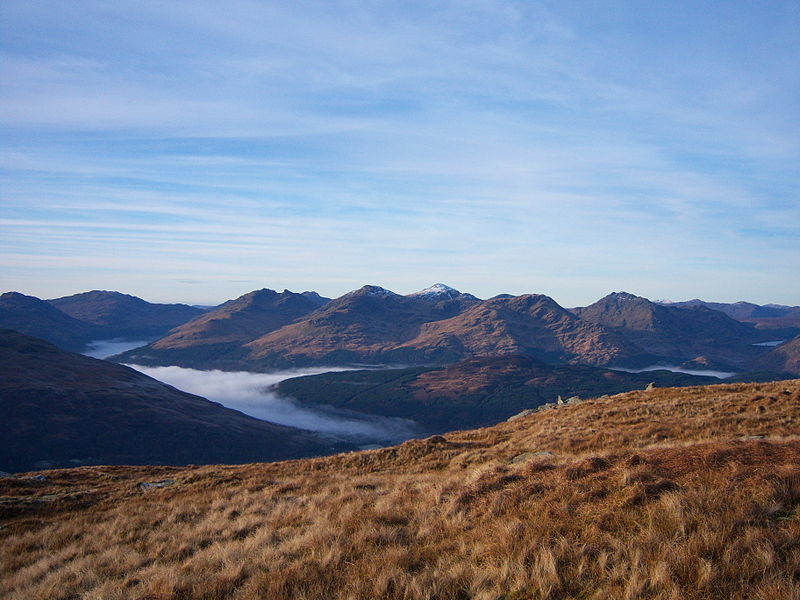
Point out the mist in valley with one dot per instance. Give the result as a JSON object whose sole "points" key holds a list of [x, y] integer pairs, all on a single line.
{"points": [[677, 369], [106, 348], [250, 393]]}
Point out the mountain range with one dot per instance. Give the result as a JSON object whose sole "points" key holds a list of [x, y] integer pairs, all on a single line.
{"points": [[35, 317], [777, 318], [60, 409], [661, 491], [673, 334], [264, 330], [125, 316], [72, 322], [216, 339]]}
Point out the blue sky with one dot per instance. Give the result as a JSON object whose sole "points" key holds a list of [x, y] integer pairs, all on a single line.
{"points": [[194, 151]]}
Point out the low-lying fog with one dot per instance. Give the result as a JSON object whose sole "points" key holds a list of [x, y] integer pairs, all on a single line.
{"points": [[248, 392], [106, 348], [675, 369]]}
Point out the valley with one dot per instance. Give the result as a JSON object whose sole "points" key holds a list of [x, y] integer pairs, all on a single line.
{"points": [[373, 300], [287, 445], [439, 360]]}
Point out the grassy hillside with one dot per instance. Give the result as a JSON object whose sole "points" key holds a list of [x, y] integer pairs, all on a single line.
{"points": [[685, 493]]}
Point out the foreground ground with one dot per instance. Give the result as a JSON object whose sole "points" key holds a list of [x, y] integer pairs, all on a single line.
{"points": [[673, 493]]}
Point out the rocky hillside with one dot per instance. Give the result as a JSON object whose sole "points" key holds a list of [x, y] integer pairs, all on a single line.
{"points": [[689, 493], [61, 409]]}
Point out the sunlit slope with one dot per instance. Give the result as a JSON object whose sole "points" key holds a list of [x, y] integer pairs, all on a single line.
{"points": [[687, 493]]}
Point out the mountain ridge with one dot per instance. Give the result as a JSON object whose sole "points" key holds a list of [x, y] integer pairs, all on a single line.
{"points": [[123, 315], [677, 334], [58, 408], [440, 325]]}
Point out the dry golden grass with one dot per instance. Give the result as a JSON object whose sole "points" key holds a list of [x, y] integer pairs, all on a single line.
{"points": [[659, 494]]}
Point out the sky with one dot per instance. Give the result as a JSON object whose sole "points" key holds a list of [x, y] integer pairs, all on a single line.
{"points": [[195, 151]]}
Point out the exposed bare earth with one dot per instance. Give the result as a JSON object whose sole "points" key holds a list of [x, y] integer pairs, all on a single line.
{"points": [[671, 493]]}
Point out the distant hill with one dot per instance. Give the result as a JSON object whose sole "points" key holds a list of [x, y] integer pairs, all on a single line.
{"points": [[784, 358], [530, 324], [215, 338], [265, 330], [373, 325], [675, 334], [124, 316], [62, 409], [35, 317], [776, 318], [367, 325], [741, 311], [473, 393]]}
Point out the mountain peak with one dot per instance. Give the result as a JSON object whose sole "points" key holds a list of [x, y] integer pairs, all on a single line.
{"points": [[624, 296], [438, 290], [373, 290]]}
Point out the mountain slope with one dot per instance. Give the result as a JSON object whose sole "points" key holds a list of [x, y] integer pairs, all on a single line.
{"points": [[61, 409], [215, 339], [122, 315], [472, 393], [372, 325], [782, 359], [675, 334], [654, 494], [32, 316], [365, 325], [530, 324], [779, 320]]}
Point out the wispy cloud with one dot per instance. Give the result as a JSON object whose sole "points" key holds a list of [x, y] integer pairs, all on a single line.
{"points": [[499, 146]]}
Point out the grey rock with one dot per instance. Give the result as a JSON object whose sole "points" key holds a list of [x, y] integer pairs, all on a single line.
{"points": [[523, 413], [526, 456], [148, 485]]}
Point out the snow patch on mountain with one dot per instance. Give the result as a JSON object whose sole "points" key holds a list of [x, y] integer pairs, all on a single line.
{"points": [[374, 290], [438, 290]]}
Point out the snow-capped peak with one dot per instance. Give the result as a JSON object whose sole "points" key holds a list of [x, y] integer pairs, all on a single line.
{"points": [[438, 289]]}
